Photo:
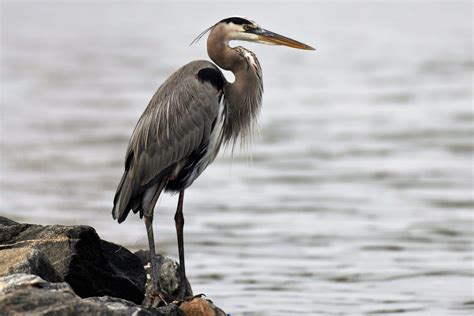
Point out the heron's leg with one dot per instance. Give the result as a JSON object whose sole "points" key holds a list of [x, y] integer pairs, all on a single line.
{"points": [[179, 221], [148, 219], [151, 244]]}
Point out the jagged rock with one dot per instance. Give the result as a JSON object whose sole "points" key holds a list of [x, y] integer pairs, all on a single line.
{"points": [[69, 270], [18, 281], [29, 294], [128, 308], [74, 254], [169, 310], [143, 256], [168, 272], [27, 260]]}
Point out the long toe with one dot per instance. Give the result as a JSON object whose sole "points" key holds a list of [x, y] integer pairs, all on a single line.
{"points": [[156, 299]]}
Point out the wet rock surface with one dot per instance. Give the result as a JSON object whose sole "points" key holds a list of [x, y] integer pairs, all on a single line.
{"points": [[74, 254], [69, 270]]}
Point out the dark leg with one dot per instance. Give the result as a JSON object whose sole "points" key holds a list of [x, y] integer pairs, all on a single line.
{"points": [[148, 219], [179, 221], [151, 244]]}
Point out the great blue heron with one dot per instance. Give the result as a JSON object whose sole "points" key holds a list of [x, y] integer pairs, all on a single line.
{"points": [[191, 115]]}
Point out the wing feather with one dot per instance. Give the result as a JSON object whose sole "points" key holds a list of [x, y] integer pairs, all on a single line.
{"points": [[176, 122]]}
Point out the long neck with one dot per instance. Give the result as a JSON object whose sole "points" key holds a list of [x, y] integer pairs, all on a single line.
{"points": [[244, 95]]}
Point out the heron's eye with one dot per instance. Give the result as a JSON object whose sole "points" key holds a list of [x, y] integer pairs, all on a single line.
{"points": [[246, 27]]}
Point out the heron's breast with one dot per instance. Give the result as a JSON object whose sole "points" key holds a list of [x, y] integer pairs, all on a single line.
{"points": [[190, 168], [214, 144]]}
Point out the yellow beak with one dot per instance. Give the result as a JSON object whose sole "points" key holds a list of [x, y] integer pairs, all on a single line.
{"points": [[268, 37]]}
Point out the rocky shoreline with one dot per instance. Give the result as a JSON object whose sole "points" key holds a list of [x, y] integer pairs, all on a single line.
{"points": [[69, 270]]}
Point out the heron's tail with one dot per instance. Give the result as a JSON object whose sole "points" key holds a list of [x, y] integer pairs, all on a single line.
{"points": [[122, 199], [138, 199]]}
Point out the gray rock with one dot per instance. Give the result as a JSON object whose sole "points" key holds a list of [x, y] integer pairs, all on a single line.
{"points": [[22, 294], [30, 294], [168, 310], [69, 270], [128, 308], [18, 281], [27, 260], [168, 272], [119, 306], [75, 254]]}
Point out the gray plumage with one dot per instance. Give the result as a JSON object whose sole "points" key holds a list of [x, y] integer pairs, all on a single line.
{"points": [[179, 120], [191, 115]]}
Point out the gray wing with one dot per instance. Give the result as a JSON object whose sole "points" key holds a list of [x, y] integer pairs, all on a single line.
{"points": [[177, 121]]}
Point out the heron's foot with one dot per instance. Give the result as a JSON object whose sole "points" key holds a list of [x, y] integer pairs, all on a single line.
{"points": [[189, 298], [156, 299], [184, 293]]}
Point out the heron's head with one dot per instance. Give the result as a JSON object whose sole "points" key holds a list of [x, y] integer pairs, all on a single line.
{"points": [[242, 29]]}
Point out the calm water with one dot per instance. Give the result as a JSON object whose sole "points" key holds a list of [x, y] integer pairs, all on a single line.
{"points": [[358, 198]]}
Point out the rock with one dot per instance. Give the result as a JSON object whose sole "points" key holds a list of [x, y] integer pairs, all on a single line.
{"points": [[27, 260], [19, 281], [128, 308], [168, 272], [143, 256], [69, 270], [29, 294], [200, 306], [74, 254], [6, 221], [169, 310]]}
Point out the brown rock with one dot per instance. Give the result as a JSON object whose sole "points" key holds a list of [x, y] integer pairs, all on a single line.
{"points": [[201, 307]]}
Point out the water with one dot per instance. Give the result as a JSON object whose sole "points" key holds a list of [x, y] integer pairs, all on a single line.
{"points": [[358, 197]]}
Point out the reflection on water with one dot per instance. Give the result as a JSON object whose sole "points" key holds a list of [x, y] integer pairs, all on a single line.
{"points": [[358, 197]]}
